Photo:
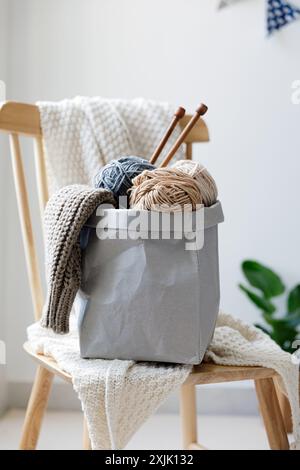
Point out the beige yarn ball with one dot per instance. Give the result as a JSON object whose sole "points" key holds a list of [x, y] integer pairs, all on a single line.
{"points": [[207, 185], [165, 189], [185, 183]]}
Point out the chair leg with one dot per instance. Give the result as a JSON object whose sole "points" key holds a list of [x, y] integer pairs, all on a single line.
{"points": [[285, 411], [188, 413], [284, 405], [36, 408], [86, 437], [271, 414]]}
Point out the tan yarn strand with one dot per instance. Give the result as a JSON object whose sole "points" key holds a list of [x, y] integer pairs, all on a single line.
{"points": [[181, 185], [204, 179]]}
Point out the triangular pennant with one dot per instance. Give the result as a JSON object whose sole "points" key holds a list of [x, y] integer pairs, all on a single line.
{"points": [[280, 14]]}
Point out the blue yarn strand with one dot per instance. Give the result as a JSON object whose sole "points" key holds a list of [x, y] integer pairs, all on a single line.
{"points": [[117, 175]]}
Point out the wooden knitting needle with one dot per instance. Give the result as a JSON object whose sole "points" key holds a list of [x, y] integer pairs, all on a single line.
{"points": [[198, 113], [177, 116]]}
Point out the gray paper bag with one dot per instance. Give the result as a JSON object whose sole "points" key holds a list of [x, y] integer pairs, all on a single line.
{"points": [[149, 299]]}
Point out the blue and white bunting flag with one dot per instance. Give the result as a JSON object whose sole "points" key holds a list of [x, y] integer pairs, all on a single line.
{"points": [[280, 14]]}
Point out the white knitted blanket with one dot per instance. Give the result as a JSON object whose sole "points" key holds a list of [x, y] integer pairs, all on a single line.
{"points": [[82, 134], [118, 396]]}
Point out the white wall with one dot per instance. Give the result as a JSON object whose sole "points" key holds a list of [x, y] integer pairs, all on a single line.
{"points": [[3, 172], [184, 52]]}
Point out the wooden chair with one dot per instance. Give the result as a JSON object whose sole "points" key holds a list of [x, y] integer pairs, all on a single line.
{"points": [[19, 119]]}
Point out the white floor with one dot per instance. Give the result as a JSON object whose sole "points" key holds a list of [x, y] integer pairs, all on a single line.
{"points": [[62, 430]]}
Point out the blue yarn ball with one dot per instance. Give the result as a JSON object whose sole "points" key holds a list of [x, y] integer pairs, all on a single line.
{"points": [[117, 175]]}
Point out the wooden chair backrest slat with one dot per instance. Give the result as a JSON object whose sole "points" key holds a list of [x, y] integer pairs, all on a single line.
{"points": [[20, 118], [32, 263], [24, 119]]}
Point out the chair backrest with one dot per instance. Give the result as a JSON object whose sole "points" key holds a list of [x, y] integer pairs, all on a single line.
{"points": [[20, 119]]}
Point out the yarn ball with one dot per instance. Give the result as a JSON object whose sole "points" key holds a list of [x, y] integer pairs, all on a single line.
{"points": [[164, 189], [207, 185], [117, 175]]}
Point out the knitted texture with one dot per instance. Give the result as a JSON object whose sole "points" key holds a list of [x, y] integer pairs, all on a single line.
{"points": [[65, 214], [118, 396], [83, 133], [236, 343], [165, 189], [207, 185]]}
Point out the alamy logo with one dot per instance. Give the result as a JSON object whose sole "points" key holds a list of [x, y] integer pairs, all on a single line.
{"points": [[295, 97], [2, 91], [164, 223], [296, 354]]}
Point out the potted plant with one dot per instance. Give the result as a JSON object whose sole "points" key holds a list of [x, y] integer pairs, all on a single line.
{"points": [[264, 286]]}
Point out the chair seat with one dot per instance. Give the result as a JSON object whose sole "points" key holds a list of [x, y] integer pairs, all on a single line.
{"points": [[203, 374], [47, 362]]}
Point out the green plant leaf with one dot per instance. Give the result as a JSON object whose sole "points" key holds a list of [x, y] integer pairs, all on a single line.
{"points": [[288, 321], [263, 304], [263, 328], [263, 278], [284, 339], [294, 299], [284, 330]]}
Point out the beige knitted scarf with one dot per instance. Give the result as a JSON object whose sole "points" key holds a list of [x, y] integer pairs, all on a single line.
{"points": [[65, 214]]}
